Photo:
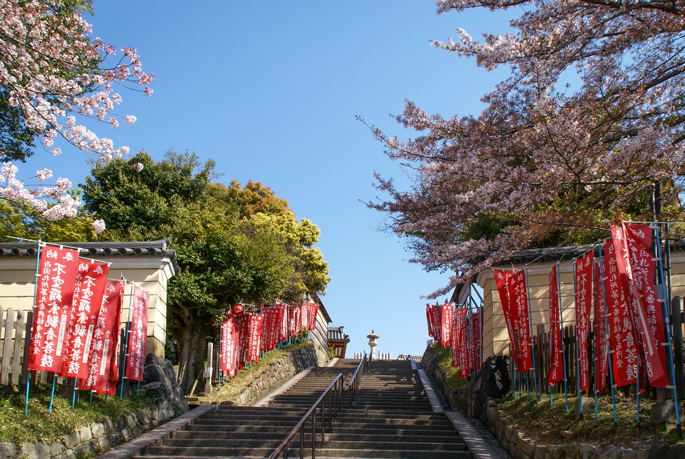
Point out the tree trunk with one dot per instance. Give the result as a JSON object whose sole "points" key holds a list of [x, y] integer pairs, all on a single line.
{"points": [[195, 341]]}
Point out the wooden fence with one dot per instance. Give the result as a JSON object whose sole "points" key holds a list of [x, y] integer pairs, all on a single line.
{"points": [[14, 345], [541, 346]]}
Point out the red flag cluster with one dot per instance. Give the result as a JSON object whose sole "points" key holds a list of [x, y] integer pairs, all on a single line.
{"points": [[77, 321], [631, 311], [460, 330], [513, 294], [245, 335]]}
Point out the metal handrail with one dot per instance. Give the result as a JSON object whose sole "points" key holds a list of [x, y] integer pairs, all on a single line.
{"points": [[335, 405], [353, 385]]}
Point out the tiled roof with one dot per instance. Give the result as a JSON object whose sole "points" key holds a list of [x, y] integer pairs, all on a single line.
{"points": [[95, 249], [336, 334]]}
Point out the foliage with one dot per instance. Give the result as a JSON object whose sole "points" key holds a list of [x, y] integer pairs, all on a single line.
{"points": [[224, 258], [235, 385], [540, 166], [40, 426], [52, 71], [331, 352], [452, 378], [18, 219]]}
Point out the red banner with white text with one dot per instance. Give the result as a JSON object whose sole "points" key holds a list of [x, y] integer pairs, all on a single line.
{"points": [[85, 309], [55, 290], [254, 335], [502, 279], [518, 301], [622, 335], [583, 284], [446, 322], [137, 335], [105, 340], [601, 345], [556, 368]]}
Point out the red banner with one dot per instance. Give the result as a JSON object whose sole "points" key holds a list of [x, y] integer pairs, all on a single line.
{"points": [[242, 322], [583, 291], [85, 309], [650, 316], [54, 295], [313, 314], [446, 323], [463, 343], [518, 301], [502, 279], [455, 341], [622, 333], [253, 337], [304, 315], [470, 341], [477, 321], [556, 368], [601, 347], [105, 340], [229, 346], [437, 326], [292, 321], [237, 309], [285, 321], [137, 335]]}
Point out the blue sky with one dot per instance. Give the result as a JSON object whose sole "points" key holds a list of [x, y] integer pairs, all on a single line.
{"points": [[270, 91]]}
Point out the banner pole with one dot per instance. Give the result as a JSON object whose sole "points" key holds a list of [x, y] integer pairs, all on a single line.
{"points": [[532, 345], [561, 332], [33, 320], [128, 327], [52, 395], [638, 392], [73, 394], [221, 354], [91, 397], [578, 391], [667, 324], [595, 350]]}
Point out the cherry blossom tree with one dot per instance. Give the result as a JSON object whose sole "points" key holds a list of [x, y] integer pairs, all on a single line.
{"points": [[54, 75], [545, 161]]}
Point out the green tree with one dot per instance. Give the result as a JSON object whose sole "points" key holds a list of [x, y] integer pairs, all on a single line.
{"points": [[226, 254]]}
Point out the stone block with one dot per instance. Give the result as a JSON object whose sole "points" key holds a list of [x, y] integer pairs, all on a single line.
{"points": [[70, 454], [526, 446], [676, 451], [121, 423], [97, 429], [106, 442], [56, 448], [588, 404], [91, 446], [145, 416], [86, 433], [71, 439], [7, 450], [126, 434], [35, 450], [585, 452], [109, 425], [156, 412], [662, 413], [540, 451], [131, 421]]}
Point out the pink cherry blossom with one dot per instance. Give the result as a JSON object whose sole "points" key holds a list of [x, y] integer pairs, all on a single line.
{"points": [[99, 226]]}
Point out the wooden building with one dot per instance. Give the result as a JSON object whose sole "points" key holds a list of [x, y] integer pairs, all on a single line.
{"points": [[338, 340], [149, 265], [540, 262]]}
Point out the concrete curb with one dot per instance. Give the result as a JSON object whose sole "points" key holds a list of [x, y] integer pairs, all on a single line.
{"points": [[474, 441], [268, 398], [132, 447], [332, 362]]}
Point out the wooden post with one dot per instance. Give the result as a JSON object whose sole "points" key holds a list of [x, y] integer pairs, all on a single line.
{"points": [[677, 321], [27, 342], [18, 342], [208, 372]]}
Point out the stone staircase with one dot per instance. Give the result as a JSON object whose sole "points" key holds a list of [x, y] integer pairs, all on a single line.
{"points": [[390, 418], [243, 431]]}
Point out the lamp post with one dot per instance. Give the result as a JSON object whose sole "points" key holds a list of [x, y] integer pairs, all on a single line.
{"points": [[373, 342]]}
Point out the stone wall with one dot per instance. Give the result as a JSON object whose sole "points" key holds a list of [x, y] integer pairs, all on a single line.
{"points": [[94, 438], [279, 372]]}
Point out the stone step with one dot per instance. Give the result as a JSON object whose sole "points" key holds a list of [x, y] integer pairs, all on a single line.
{"points": [[210, 438], [326, 452]]}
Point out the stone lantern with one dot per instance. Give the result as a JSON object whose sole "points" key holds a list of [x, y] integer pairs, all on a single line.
{"points": [[373, 342]]}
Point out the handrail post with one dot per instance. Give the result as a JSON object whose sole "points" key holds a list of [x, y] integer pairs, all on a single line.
{"points": [[301, 444], [314, 434]]}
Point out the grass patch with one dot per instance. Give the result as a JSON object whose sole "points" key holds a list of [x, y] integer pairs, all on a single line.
{"points": [[547, 424], [235, 385], [454, 381], [552, 425], [41, 426]]}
